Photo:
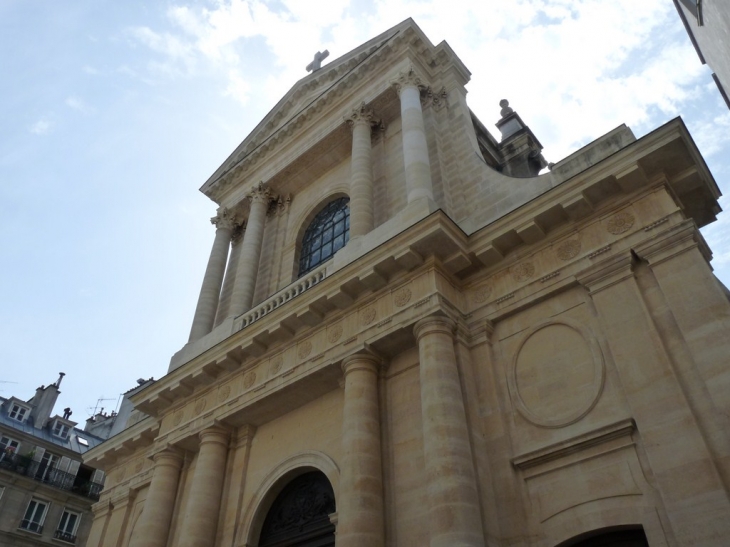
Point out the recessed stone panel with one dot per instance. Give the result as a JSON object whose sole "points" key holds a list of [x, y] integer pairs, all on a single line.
{"points": [[557, 374]]}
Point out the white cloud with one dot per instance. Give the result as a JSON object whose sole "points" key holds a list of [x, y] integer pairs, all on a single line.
{"points": [[41, 127], [76, 103]]}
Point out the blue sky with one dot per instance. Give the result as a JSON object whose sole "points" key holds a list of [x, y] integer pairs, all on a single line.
{"points": [[113, 114]]}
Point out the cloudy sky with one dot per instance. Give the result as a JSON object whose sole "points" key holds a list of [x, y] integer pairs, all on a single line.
{"points": [[114, 113]]}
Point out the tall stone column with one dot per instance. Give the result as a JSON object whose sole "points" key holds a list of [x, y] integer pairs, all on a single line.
{"points": [[153, 527], [201, 514], [452, 494], [207, 306], [248, 261], [415, 148], [361, 172], [360, 505]]}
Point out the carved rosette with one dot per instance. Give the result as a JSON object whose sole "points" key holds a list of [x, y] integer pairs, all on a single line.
{"points": [[407, 78], [482, 294], [523, 271], [334, 333], [249, 379], [276, 364], [620, 223], [200, 406], [305, 348], [568, 249], [401, 297], [138, 466], [224, 393], [367, 316], [177, 418]]}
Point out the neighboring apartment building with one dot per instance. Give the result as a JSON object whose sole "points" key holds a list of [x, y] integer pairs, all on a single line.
{"points": [[46, 491], [708, 25], [407, 336]]}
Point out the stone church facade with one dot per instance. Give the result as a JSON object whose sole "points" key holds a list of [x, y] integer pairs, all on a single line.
{"points": [[406, 336]]}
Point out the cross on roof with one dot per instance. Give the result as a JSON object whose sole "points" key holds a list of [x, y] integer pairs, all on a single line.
{"points": [[316, 64]]}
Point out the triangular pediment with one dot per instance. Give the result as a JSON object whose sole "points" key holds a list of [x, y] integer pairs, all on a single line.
{"points": [[305, 93]]}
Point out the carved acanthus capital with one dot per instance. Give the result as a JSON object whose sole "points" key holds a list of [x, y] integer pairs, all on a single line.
{"points": [[261, 193], [237, 233], [408, 78], [362, 114], [435, 98], [225, 219], [283, 204]]}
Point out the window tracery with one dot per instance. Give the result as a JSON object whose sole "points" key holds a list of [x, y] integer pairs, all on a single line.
{"points": [[328, 232]]}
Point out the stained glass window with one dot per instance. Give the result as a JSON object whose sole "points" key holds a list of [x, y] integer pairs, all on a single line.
{"points": [[327, 234]]}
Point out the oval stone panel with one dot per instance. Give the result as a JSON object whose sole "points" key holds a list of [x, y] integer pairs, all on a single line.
{"points": [[557, 375]]}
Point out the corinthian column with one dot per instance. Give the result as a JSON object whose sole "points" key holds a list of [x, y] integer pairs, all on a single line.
{"points": [[207, 306], [360, 506], [361, 172], [452, 494], [415, 148], [153, 527], [248, 261], [201, 514]]}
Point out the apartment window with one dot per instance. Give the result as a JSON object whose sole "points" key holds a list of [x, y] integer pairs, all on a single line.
{"points": [[48, 463], [18, 412], [8, 447], [60, 429], [327, 234], [67, 526], [34, 516]]}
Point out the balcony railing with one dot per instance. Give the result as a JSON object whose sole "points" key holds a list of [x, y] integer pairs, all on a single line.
{"points": [[23, 465], [64, 536], [290, 292]]}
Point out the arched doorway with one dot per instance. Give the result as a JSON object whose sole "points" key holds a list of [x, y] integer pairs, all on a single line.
{"points": [[299, 516], [633, 537]]}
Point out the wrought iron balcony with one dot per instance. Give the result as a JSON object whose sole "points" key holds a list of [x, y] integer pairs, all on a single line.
{"points": [[64, 536], [23, 465]]}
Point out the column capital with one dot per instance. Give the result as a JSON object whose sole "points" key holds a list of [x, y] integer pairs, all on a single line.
{"points": [[261, 193], [408, 78], [225, 219], [361, 361], [169, 456], [214, 434], [362, 114], [433, 324]]}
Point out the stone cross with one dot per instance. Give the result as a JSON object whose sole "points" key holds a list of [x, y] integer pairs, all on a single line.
{"points": [[316, 64]]}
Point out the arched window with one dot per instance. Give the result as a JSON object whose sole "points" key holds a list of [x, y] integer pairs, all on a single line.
{"points": [[327, 234], [300, 514]]}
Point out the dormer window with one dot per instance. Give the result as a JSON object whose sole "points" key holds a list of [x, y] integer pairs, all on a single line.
{"points": [[18, 412], [60, 429]]}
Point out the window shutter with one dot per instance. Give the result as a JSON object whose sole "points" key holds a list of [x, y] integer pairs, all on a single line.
{"points": [[73, 468], [63, 464], [38, 454], [98, 476]]}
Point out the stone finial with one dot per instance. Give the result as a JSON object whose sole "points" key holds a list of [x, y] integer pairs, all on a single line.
{"points": [[506, 109]]}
